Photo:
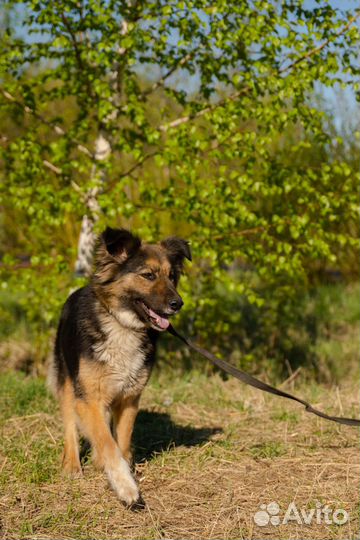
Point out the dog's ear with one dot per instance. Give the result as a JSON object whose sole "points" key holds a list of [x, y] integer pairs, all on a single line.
{"points": [[177, 248], [120, 243]]}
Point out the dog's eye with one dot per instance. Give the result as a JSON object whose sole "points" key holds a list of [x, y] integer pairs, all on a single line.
{"points": [[149, 275]]}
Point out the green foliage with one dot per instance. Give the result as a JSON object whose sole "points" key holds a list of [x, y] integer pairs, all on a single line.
{"points": [[213, 135]]}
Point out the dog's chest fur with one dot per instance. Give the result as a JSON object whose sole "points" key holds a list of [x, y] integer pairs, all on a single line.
{"points": [[122, 360]]}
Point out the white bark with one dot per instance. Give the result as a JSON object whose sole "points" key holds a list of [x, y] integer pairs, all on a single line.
{"points": [[87, 238]]}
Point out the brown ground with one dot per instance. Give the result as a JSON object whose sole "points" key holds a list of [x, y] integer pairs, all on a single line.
{"points": [[209, 453]]}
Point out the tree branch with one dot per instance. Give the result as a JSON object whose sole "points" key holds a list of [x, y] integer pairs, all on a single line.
{"points": [[179, 121], [46, 163], [52, 167], [244, 232], [137, 164], [232, 97], [74, 42], [193, 116], [322, 46], [55, 127], [172, 70]]}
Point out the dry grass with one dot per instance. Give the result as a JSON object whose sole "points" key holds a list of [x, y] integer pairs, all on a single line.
{"points": [[209, 453]]}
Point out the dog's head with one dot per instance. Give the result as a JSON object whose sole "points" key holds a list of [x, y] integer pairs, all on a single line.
{"points": [[137, 281]]}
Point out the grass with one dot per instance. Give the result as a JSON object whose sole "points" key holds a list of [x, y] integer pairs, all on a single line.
{"points": [[208, 453]]}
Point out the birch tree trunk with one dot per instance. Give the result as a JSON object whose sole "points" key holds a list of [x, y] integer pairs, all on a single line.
{"points": [[87, 237]]}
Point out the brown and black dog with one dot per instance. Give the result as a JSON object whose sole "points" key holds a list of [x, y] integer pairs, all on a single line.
{"points": [[105, 348]]}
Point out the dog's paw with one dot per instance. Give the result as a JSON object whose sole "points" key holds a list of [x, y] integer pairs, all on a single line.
{"points": [[70, 462], [138, 506], [129, 494], [71, 469], [124, 484]]}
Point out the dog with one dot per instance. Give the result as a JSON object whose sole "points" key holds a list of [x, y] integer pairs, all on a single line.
{"points": [[105, 349]]}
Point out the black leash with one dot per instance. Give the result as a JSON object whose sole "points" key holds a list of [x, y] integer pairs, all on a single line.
{"points": [[252, 381]]}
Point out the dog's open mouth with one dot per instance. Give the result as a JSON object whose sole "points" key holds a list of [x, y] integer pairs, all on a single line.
{"points": [[160, 322]]}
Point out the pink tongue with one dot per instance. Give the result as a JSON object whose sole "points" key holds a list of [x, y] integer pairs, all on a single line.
{"points": [[160, 321]]}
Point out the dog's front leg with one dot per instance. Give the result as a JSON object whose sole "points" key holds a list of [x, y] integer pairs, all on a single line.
{"points": [[124, 415], [93, 421]]}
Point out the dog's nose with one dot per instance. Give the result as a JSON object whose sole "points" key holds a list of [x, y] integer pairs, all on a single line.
{"points": [[175, 305]]}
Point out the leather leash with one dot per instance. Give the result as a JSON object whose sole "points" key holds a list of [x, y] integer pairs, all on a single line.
{"points": [[256, 383]]}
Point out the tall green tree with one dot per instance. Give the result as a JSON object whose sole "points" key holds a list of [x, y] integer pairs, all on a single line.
{"points": [[174, 116]]}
